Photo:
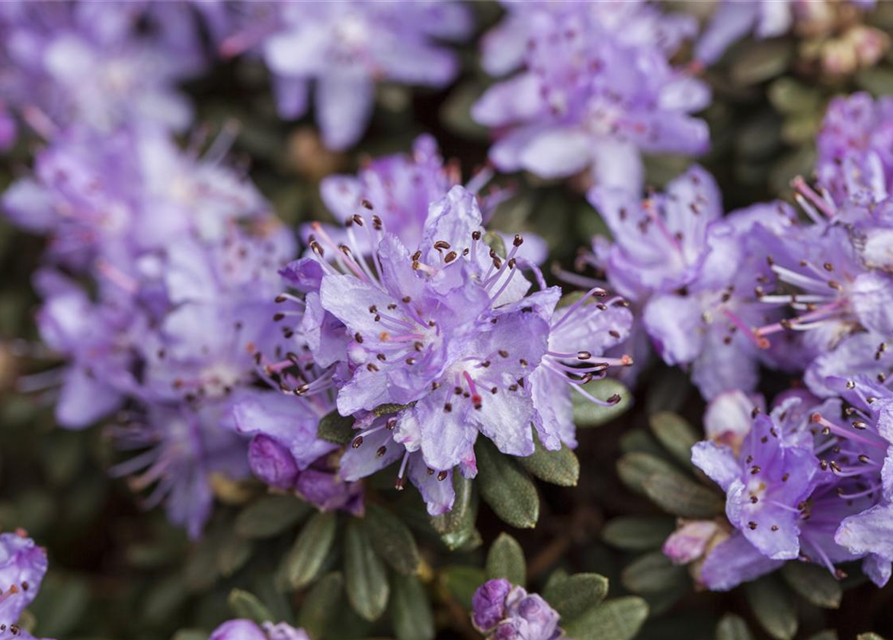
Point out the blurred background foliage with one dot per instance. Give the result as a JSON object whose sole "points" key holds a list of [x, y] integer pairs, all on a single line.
{"points": [[118, 572]]}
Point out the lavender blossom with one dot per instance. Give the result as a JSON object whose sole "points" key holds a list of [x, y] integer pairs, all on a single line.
{"points": [[593, 93], [502, 611], [242, 629], [82, 63], [344, 49], [22, 568], [855, 148], [8, 128], [693, 273]]}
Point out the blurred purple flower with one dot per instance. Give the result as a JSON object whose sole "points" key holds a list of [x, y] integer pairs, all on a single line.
{"points": [[22, 568], [502, 611], [242, 629], [595, 92]]}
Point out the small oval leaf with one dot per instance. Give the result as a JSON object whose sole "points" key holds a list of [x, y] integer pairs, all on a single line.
{"points": [[270, 516], [506, 560], [505, 487], [323, 602], [638, 533], [364, 573], [732, 627], [392, 539], [574, 595], [773, 607], [676, 494], [246, 605], [555, 467], [618, 619], [311, 547], [410, 609], [814, 584], [589, 414]]}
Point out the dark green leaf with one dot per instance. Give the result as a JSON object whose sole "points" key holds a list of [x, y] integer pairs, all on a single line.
{"points": [[246, 605], [306, 557], [505, 487], [390, 407], [869, 636], [773, 606], [682, 497], [234, 552], [410, 609], [638, 533], [732, 627], [575, 595], [392, 539], [336, 428], [634, 468], [506, 560], [792, 97], [322, 603], [456, 527], [669, 389], [462, 581], [190, 634], [761, 61], [814, 583], [675, 434], [589, 414], [364, 574], [270, 516], [831, 634], [618, 619], [555, 467], [653, 572]]}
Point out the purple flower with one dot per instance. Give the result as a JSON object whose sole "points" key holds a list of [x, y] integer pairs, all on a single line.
{"points": [[345, 49], [505, 612], [242, 629], [691, 540], [695, 275], [593, 92], [8, 128], [22, 567], [79, 63], [855, 148]]}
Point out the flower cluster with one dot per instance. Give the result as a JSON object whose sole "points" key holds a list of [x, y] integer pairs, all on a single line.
{"points": [[595, 90], [429, 336], [344, 49], [803, 482], [502, 611], [22, 568]]}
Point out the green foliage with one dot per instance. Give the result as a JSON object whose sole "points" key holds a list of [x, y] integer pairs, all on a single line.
{"points": [[505, 487], [773, 606], [506, 560], [306, 558], [555, 467]]}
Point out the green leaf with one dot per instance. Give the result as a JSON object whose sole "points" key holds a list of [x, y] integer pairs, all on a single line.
{"points": [[669, 390], [732, 627], [761, 61], [636, 467], [618, 619], [869, 636], [575, 595], [234, 552], [831, 634], [309, 552], [638, 533], [364, 574], [675, 434], [773, 606], [792, 97], [270, 516], [652, 573], [589, 414], [323, 602], [410, 609], [190, 634], [676, 494], [333, 427], [506, 560], [496, 243], [814, 584], [389, 408], [555, 467], [462, 581], [456, 527], [505, 487], [392, 539], [246, 605]]}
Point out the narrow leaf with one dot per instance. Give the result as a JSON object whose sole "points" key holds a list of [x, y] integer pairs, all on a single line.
{"points": [[773, 607], [306, 557], [575, 595], [618, 619], [270, 516], [506, 560], [732, 627], [505, 487], [233, 553], [814, 583], [334, 427], [410, 609], [589, 414], [675, 434], [456, 527], [392, 539], [653, 573], [676, 494], [634, 468], [638, 533], [323, 601], [555, 467], [246, 605], [364, 574]]}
